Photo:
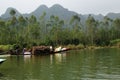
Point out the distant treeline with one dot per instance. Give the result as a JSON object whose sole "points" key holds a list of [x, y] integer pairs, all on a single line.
{"points": [[28, 31]]}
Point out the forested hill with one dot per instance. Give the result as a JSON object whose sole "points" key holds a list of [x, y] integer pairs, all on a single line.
{"points": [[59, 11], [7, 15], [58, 26], [56, 10]]}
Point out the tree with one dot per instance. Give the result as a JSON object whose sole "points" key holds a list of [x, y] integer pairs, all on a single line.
{"points": [[116, 24], [75, 22], [32, 19], [91, 29], [43, 28], [2, 30], [12, 12], [21, 20]]}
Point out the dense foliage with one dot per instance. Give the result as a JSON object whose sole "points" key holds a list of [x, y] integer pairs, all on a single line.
{"points": [[28, 31]]}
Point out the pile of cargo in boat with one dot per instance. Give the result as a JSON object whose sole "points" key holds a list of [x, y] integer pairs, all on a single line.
{"points": [[42, 50]]}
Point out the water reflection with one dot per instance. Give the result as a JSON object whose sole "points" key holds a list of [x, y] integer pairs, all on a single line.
{"points": [[1, 75], [51, 59], [60, 57], [75, 65], [27, 58]]}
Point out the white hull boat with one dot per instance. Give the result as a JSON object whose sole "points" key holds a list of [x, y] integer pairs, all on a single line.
{"points": [[2, 60]]}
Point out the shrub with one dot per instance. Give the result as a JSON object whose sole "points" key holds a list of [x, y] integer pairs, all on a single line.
{"points": [[6, 47], [80, 46], [71, 46], [115, 42]]}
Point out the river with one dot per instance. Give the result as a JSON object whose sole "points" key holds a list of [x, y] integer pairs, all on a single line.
{"points": [[100, 64]]}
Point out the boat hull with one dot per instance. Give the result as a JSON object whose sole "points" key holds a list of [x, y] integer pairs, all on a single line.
{"points": [[2, 60]]}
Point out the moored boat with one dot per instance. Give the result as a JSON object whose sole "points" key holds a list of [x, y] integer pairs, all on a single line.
{"points": [[27, 53], [42, 50], [2, 60]]}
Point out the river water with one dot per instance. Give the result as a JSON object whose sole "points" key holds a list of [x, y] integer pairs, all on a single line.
{"points": [[100, 64]]}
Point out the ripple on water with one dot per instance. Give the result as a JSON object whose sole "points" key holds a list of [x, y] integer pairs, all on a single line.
{"points": [[109, 76]]}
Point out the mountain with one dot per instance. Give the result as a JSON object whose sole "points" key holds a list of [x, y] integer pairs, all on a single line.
{"points": [[97, 17], [113, 15], [59, 11], [39, 11], [7, 15], [56, 10]]}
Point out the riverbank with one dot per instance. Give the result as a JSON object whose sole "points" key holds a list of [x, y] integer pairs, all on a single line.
{"points": [[80, 46], [9, 49]]}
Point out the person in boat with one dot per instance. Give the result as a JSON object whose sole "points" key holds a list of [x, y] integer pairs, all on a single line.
{"points": [[24, 50], [61, 49], [58, 49]]}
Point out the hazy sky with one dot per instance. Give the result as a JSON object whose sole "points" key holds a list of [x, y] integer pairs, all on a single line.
{"points": [[80, 6]]}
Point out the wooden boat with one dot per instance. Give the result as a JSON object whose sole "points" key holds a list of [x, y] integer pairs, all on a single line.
{"points": [[2, 60], [42, 50]]}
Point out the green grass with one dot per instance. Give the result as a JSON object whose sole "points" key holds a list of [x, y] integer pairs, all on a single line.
{"points": [[72, 46]]}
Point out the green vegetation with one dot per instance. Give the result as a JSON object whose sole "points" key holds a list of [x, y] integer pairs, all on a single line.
{"points": [[6, 47], [115, 42], [28, 31]]}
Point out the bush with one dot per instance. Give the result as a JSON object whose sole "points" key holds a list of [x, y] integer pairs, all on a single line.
{"points": [[115, 42], [80, 46], [71, 46], [6, 47]]}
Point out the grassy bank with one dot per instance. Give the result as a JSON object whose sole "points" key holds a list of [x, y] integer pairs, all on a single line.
{"points": [[81, 46], [4, 48]]}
